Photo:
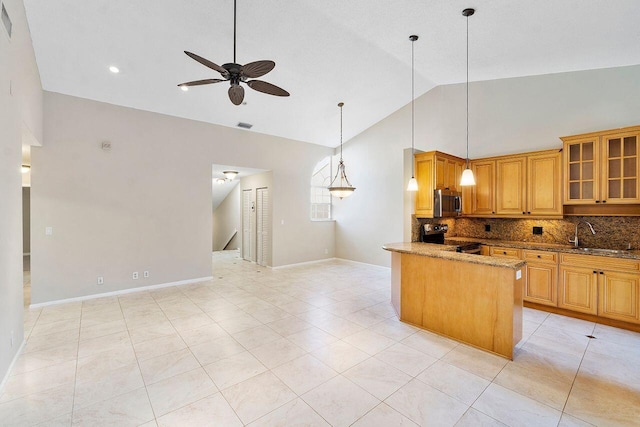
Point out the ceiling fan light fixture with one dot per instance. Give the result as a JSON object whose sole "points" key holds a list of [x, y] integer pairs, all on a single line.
{"points": [[230, 174], [184, 88], [114, 69], [235, 73], [467, 178], [340, 186], [220, 181]]}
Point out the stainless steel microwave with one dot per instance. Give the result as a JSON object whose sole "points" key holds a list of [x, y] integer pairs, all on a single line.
{"points": [[446, 203]]}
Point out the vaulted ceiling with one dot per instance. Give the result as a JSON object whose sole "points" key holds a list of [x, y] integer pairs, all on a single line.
{"points": [[356, 51]]}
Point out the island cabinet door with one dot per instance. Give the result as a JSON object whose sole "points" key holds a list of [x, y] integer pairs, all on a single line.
{"points": [[578, 289], [618, 297]]}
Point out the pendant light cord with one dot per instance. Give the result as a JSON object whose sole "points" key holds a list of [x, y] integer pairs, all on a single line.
{"points": [[234, 31], [413, 151], [341, 133], [467, 91]]}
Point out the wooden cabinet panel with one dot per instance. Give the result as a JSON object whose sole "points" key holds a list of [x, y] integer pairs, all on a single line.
{"points": [[620, 180], [434, 170], [602, 167], [538, 257], [498, 251], [544, 173], [601, 262], [578, 289], [541, 285], [424, 167], [483, 193], [511, 186], [582, 161], [618, 296]]}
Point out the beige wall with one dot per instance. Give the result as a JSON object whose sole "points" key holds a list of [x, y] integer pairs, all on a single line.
{"points": [[146, 203], [226, 220], [20, 106], [506, 116]]}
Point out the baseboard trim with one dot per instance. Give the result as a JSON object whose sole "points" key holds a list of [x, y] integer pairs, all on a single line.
{"points": [[121, 292], [297, 264], [363, 263], [11, 365]]}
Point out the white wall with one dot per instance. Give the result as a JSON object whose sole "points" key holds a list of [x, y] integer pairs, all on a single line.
{"points": [[20, 106], [146, 203], [226, 220], [505, 116]]}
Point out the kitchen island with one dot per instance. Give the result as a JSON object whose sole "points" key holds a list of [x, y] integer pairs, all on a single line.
{"points": [[471, 298]]}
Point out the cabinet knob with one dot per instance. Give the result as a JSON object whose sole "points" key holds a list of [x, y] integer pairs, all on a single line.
{"points": [[602, 272], [597, 201], [595, 272], [492, 212], [604, 201], [504, 252], [529, 213], [524, 213], [539, 256]]}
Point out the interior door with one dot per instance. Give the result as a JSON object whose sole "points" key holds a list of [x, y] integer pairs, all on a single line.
{"points": [[247, 205], [262, 226]]}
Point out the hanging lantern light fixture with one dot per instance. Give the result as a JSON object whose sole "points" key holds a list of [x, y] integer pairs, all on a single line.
{"points": [[340, 186], [467, 175], [413, 183]]}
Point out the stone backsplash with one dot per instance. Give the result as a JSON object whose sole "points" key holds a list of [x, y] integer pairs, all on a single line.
{"points": [[611, 232]]}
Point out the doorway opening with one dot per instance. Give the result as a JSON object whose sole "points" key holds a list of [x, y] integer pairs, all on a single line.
{"points": [[241, 212]]}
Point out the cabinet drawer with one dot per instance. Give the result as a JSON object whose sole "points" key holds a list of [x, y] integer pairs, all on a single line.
{"points": [[540, 256], [505, 252], [601, 262]]}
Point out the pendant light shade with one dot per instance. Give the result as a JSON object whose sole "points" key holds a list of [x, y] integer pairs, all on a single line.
{"points": [[340, 186], [413, 183], [467, 176]]}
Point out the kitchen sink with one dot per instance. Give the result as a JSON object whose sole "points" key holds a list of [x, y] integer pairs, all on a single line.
{"points": [[603, 251]]}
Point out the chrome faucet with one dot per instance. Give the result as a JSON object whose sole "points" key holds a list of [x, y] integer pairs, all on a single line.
{"points": [[575, 237]]}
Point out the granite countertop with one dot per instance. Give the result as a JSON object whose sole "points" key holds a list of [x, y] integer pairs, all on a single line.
{"points": [[449, 252], [630, 254]]}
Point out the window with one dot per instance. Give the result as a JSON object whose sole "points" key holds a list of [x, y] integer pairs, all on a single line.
{"points": [[320, 196]]}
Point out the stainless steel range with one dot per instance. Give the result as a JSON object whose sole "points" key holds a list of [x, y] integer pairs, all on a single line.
{"points": [[434, 233]]}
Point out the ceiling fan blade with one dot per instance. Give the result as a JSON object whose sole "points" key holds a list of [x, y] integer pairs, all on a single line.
{"points": [[202, 82], [207, 63], [236, 94], [265, 87], [257, 68]]}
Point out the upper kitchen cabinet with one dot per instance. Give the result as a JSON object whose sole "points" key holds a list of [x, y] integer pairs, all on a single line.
{"points": [[434, 171], [527, 184], [602, 167]]}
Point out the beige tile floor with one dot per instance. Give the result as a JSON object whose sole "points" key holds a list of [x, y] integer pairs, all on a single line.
{"points": [[312, 345]]}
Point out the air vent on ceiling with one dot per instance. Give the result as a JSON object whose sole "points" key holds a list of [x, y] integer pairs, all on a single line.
{"points": [[245, 125], [6, 20]]}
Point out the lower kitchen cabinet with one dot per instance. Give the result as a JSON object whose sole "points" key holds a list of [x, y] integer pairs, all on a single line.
{"points": [[578, 289], [618, 298], [541, 285]]}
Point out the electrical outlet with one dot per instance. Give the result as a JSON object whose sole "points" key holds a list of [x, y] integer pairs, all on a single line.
{"points": [[145, 274], [487, 227], [537, 230], [135, 275], [100, 280]]}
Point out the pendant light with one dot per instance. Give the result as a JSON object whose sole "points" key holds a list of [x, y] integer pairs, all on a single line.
{"points": [[413, 183], [341, 187], [467, 174]]}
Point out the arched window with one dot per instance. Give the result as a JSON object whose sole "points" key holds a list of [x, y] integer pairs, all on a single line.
{"points": [[320, 196]]}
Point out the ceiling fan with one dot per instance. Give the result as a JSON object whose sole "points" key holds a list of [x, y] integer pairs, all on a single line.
{"points": [[235, 73]]}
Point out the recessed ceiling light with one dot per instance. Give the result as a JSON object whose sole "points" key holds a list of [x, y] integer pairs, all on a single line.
{"points": [[114, 69], [184, 88]]}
